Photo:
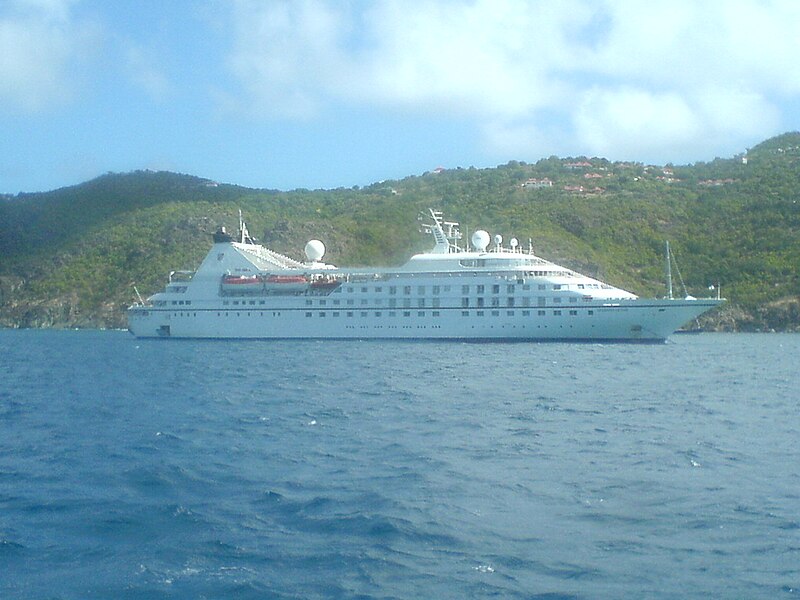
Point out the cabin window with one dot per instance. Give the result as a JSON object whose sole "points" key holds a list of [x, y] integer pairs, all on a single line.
{"points": [[479, 313], [435, 313], [573, 313], [406, 303], [392, 290], [542, 301], [541, 313], [495, 313], [510, 289], [406, 313], [556, 286], [335, 314], [378, 289], [309, 302], [556, 313], [480, 301], [464, 313], [322, 314], [591, 312], [446, 288], [526, 313], [496, 288], [465, 302], [364, 290], [510, 302], [406, 290], [542, 286], [421, 290], [323, 302], [556, 300], [377, 313], [349, 314], [436, 303], [364, 313], [435, 290], [392, 302], [308, 314], [421, 313], [495, 301], [480, 289], [465, 289], [421, 303]]}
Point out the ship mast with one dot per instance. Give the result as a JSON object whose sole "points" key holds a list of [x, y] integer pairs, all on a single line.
{"points": [[669, 273]]}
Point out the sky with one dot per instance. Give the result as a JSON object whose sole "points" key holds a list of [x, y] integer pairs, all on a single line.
{"points": [[327, 94]]}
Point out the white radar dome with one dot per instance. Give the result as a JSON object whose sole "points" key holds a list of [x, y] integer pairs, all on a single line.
{"points": [[315, 250], [498, 240], [480, 239], [514, 242]]}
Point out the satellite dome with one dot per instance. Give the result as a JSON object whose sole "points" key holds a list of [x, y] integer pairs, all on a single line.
{"points": [[315, 250], [480, 239], [513, 242], [498, 240]]}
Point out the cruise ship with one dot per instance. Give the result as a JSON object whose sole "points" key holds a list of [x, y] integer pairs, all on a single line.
{"points": [[481, 291]]}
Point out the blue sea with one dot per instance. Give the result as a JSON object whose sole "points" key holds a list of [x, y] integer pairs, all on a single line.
{"points": [[199, 469]]}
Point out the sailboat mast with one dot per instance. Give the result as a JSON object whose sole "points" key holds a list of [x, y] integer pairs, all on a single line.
{"points": [[669, 273]]}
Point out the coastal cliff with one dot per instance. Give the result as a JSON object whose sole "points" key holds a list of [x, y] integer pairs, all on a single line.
{"points": [[78, 256]]}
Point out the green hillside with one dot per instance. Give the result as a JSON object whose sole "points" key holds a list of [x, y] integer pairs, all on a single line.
{"points": [[71, 257]]}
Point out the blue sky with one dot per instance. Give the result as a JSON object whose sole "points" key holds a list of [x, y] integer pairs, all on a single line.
{"points": [[319, 94]]}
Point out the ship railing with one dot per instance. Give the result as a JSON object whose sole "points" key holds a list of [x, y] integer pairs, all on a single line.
{"points": [[275, 258]]}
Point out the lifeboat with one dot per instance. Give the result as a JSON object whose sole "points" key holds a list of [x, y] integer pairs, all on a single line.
{"points": [[325, 284], [241, 283], [286, 283]]}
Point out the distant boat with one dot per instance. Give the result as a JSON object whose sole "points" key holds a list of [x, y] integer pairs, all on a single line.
{"points": [[484, 292]]}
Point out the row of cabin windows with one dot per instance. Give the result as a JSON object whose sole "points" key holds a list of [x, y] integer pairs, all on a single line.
{"points": [[510, 288], [243, 302], [377, 313], [436, 313], [407, 313], [494, 301]]}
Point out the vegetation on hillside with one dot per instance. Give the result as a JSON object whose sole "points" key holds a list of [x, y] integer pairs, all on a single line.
{"points": [[71, 257]]}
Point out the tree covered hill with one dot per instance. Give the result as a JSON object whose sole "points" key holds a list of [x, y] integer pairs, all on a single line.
{"points": [[71, 257]]}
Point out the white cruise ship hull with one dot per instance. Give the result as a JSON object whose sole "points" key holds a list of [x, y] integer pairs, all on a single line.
{"points": [[629, 321]]}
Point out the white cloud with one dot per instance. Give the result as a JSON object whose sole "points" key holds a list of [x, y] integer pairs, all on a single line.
{"points": [[38, 45], [143, 69], [662, 77]]}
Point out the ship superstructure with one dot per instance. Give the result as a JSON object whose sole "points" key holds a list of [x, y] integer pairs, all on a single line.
{"points": [[485, 291]]}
